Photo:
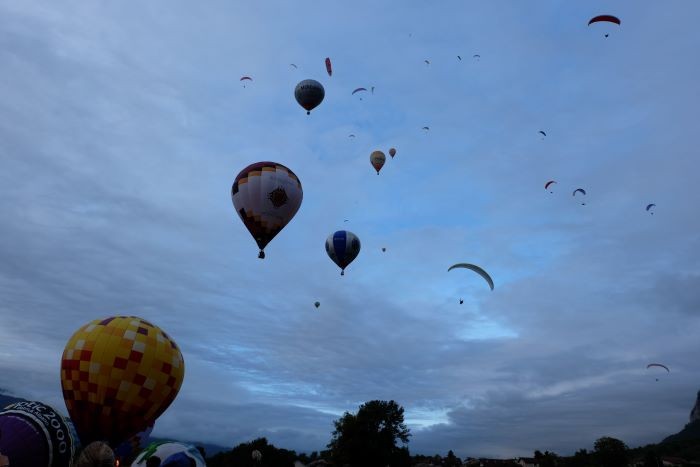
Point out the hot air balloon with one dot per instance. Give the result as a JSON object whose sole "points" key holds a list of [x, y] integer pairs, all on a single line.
{"points": [[383, 249], [33, 434], [317, 304], [605, 19], [377, 159], [256, 455], [582, 191], [649, 206], [170, 454], [118, 375], [343, 247], [266, 196], [392, 152], [96, 453], [309, 94], [127, 450], [476, 269], [546, 185], [329, 67]]}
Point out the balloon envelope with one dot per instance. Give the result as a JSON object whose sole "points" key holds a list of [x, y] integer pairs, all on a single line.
{"points": [[343, 247], [309, 94], [118, 375], [266, 196], [33, 434], [377, 159], [171, 454], [392, 152]]}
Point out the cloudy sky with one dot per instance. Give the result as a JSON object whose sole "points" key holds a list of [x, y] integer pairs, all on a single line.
{"points": [[123, 125]]}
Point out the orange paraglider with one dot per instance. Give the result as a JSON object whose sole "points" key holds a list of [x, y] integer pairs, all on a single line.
{"points": [[118, 375]]}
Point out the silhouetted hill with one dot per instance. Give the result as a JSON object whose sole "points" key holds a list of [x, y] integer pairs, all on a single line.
{"points": [[691, 431]]}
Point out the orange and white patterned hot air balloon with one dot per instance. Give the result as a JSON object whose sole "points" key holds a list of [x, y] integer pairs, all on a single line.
{"points": [[266, 196]]}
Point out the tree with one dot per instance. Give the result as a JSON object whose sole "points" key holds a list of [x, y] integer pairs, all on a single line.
{"points": [[369, 437], [611, 452], [452, 461]]}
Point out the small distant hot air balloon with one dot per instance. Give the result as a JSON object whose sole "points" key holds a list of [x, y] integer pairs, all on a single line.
{"points": [[317, 304], [118, 375], [461, 301], [383, 249], [392, 152], [329, 67], [266, 196], [343, 247], [309, 94], [33, 434], [377, 159]]}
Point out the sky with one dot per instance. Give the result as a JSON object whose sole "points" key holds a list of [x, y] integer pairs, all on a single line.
{"points": [[124, 124]]}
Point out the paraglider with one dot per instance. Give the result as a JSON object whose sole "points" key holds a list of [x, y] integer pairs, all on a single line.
{"points": [[358, 90], [427, 62], [309, 93], [266, 196], [579, 190], [256, 455], [246, 78], [651, 365], [317, 304], [649, 206], [605, 18], [170, 453], [351, 136], [329, 67], [293, 65], [372, 88], [377, 159], [343, 247], [98, 377], [33, 434], [477, 56], [392, 152], [546, 185], [476, 269], [426, 128], [543, 133], [460, 58]]}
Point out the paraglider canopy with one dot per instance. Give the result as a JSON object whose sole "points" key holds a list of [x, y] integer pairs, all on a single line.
{"points": [[649, 206], [543, 133], [476, 269], [246, 78], [546, 185], [426, 128], [578, 190], [358, 90], [605, 18], [651, 365]]}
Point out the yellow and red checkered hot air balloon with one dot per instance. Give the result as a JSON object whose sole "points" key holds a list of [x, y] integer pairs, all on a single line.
{"points": [[118, 375]]}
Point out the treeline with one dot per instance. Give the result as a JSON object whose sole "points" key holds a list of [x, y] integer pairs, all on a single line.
{"points": [[370, 438]]}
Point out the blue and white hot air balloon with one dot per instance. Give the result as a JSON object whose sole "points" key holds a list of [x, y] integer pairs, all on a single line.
{"points": [[343, 247]]}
